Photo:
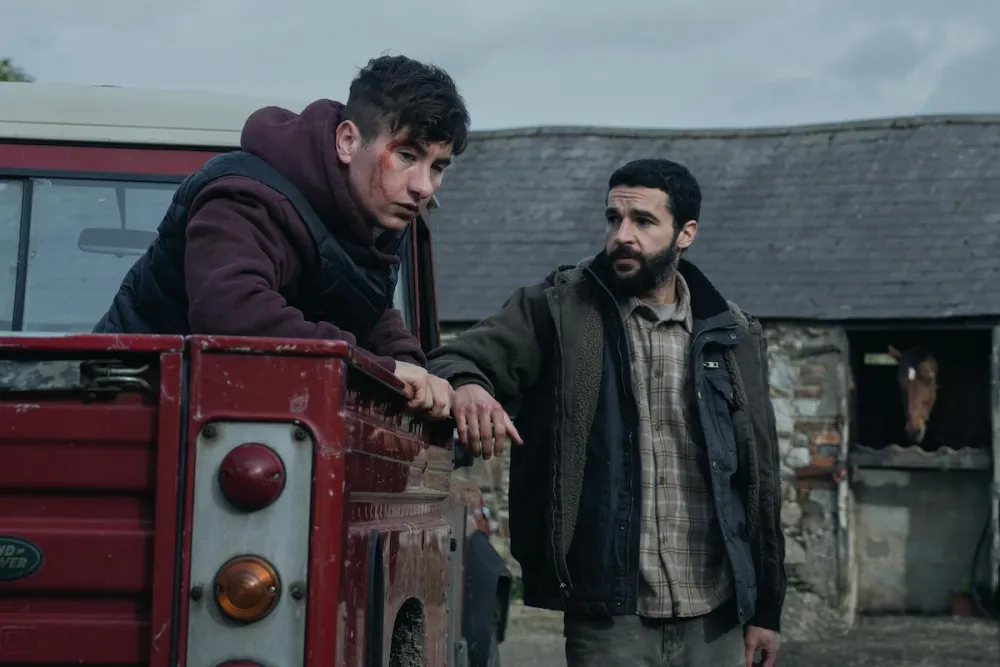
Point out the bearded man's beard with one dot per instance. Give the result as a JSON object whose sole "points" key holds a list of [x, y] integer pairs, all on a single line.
{"points": [[653, 270]]}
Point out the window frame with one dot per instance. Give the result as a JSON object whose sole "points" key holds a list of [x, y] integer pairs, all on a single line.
{"points": [[21, 251]]}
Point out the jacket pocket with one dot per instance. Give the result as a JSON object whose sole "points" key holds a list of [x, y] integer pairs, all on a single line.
{"points": [[721, 406]]}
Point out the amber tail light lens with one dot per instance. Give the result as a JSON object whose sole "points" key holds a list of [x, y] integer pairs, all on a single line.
{"points": [[252, 476], [247, 588]]}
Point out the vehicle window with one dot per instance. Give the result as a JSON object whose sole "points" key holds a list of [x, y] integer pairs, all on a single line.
{"points": [[10, 231], [78, 252], [402, 300]]}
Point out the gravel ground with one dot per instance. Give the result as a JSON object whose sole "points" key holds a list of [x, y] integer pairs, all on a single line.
{"points": [[534, 639]]}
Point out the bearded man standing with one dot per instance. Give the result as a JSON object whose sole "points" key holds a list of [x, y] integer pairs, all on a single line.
{"points": [[297, 235], [645, 500]]}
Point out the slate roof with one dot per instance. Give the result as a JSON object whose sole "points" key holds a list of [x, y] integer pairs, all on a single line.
{"points": [[884, 219]]}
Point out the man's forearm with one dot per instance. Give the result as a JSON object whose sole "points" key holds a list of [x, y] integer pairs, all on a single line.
{"points": [[458, 370]]}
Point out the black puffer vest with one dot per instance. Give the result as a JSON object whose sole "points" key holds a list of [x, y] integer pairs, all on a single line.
{"points": [[350, 289]]}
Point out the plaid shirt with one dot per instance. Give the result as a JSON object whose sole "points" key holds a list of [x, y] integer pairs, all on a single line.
{"points": [[682, 560]]}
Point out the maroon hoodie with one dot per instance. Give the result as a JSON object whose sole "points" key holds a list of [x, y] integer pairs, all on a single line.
{"points": [[247, 248]]}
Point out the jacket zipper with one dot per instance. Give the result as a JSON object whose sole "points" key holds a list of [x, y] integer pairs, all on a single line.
{"points": [[623, 334], [559, 558], [630, 452], [702, 407]]}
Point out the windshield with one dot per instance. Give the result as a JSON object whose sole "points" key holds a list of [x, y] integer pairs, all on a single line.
{"points": [[82, 238]]}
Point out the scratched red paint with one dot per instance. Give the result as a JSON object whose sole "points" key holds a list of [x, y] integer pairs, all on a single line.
{"points": [[123, 470], [99, 499]]}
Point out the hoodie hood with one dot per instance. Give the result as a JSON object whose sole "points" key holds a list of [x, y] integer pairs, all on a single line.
{"points": [[301, 147]]}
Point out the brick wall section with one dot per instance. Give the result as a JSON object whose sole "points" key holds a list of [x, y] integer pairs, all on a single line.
{"points": [[807, 389]]}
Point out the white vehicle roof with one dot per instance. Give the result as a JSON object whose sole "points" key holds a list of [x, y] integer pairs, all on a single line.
{"points": [[106, 114]]}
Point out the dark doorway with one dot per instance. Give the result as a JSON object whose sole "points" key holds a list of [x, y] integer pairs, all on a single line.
{"points": [[961, 414]]}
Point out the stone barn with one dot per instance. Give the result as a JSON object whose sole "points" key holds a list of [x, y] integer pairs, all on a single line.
{"points": [[844, 240]]}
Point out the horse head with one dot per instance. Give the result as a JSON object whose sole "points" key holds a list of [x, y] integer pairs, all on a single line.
{"points": [[917, 379]]}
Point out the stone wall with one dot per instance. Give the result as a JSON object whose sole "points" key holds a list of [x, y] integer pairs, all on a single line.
{"points": [[809, 380], [808, 388]]}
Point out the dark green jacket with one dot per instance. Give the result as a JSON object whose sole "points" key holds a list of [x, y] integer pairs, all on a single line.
{"points": [[558, 349]]}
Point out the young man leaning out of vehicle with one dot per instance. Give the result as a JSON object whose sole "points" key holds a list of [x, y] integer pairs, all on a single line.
{"points": [[235, 257], [645, 500]]}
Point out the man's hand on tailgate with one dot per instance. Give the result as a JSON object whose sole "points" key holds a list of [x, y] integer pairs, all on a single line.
{"points": [[483, 425]]}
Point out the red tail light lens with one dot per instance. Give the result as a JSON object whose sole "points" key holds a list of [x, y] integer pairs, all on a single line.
{"points": [[252, 476]]}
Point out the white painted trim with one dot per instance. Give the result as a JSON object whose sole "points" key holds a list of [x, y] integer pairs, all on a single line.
{"points": [[102, 114]]}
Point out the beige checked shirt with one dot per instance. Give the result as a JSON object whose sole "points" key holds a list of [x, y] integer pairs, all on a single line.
{"points": [[682, 561]]}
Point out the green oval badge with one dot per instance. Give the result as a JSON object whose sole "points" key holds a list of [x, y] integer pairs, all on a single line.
{"points": [[18, 558]]}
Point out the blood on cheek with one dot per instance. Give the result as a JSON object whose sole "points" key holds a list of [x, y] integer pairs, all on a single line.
{"points": [[379, 177]]}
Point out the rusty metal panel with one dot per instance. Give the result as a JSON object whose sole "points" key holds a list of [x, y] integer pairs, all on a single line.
{"points": [[47, 375]]}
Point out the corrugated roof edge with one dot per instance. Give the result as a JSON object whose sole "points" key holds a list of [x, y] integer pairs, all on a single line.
{"points": [[888, 123]]}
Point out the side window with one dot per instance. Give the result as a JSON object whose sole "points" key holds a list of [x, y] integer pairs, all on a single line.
{"points": [[403, 298], [10, 233], [85, 236]]}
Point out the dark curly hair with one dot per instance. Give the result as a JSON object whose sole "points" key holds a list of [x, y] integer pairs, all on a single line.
{"points": [[401, 94], [683, 193]]}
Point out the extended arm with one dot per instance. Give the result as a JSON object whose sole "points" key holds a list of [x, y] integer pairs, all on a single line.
{"points": [[503, 353]]}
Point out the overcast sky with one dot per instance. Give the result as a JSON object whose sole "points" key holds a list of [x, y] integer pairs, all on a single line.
{"points": [[644, 63]]}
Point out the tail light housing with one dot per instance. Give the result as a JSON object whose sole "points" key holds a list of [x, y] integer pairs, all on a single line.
{"points": [[249, 542]]}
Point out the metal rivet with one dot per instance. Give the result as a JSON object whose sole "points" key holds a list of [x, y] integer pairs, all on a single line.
{"points": [[733, 336], [210, 432], [297, 591], [196, 593], [300, 434]]}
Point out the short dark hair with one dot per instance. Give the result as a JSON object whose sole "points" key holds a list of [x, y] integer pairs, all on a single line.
{"points": [[399, 93], [683, 193]]}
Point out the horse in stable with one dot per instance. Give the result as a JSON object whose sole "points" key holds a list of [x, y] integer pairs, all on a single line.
{"points": [[917, 378]]}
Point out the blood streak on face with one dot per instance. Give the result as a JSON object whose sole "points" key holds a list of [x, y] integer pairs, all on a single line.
{"points": [[381, 175]]}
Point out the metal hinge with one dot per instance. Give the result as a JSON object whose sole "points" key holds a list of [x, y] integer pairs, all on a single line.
{"points": [[461, 653], [96, 376]]}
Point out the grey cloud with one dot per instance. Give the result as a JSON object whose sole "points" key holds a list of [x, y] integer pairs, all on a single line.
{"points": [[888, 54], [522, 62], [969, 85]]}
